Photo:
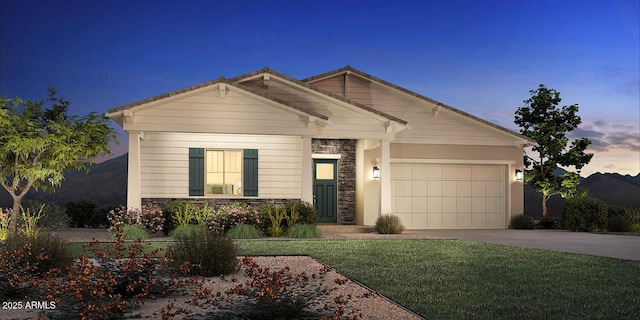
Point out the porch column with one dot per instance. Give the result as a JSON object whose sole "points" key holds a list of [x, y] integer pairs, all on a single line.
{"points": [[306, 189], [133, 171], [385, 177]]}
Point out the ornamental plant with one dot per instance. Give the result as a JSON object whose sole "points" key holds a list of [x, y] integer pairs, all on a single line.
{"points": [[30, 221], [150, 218], [231, 215], [4, 223]]}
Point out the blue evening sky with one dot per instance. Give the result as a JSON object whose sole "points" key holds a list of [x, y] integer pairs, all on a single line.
{"points": [[482, 57]]}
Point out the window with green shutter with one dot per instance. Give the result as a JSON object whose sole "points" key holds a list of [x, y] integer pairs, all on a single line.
{"points": [[223, 172]]}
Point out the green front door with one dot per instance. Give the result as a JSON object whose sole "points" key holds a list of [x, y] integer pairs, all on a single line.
{"points": [[325, 189]]}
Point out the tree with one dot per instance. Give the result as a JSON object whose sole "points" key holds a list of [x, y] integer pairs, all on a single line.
{"points": [[548, 125], [37, 145]]}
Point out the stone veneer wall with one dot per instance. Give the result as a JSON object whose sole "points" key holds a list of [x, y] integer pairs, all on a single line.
{"points": [[346, 174]]}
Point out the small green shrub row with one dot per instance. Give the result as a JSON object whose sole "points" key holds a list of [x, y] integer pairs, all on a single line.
{"points": [[268, 219], [590, 214]]}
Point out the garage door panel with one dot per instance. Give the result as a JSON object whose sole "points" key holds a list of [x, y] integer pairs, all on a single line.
{"points": [[464, 220], [457, 172], [434, 188], [419, 221], [479, 189], [419, 204], [449, 196], [449, 188], [487, 173], [427, 172], [478, 205], [434, 220], [494, 189], [464, 188], [401, 171], [419, 188], [450, 204], [404, 188]]}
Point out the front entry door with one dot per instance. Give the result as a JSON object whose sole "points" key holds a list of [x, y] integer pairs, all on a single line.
{"points": [[325, 189]]}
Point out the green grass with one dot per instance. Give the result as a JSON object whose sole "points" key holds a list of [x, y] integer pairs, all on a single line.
{"points": [[454, 279]]}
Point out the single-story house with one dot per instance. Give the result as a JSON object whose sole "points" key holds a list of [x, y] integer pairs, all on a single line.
{"points": [[354, 145]]}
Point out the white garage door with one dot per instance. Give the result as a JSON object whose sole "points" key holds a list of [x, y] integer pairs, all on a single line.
{"points": [[448, 196]]}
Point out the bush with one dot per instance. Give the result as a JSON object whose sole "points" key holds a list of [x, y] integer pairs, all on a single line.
{"points": [[204, 253], [169, 211], [22, 258], [244, 231], [306, 212], [230, 215], [521, 221], [185, 230], [150, 218], [584, 214], [134, 232], [304, 231], [79, 212], [54, 216], [389, 223], [619, 223]]}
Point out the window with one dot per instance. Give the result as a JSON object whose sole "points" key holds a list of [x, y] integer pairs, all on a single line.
{"points": [[223, 174]]}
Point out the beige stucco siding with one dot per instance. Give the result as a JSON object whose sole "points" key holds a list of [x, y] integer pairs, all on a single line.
{"points": [[165, 166]]}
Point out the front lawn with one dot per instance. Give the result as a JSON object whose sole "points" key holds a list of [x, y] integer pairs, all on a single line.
{"points": [[453, 279]]}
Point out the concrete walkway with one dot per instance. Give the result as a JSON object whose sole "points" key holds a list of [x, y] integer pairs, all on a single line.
{"points": [[614, 246]]}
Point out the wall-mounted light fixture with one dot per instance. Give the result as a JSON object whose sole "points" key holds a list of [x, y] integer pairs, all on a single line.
{"points": [[518, 174], [376, 172]]}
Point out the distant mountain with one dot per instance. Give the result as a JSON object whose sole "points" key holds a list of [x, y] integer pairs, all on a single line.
{"points": [[612, 188], [105, 185]]}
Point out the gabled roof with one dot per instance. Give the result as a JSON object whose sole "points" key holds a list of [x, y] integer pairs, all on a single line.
{"points": [[212, 83], [240, 78], [366, 76]]}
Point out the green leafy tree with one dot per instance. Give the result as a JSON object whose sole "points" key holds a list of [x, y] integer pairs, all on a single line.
{"points": [[542, 120], [38, 144]]}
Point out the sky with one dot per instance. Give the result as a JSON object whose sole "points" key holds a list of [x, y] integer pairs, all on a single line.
{"points": [[482, 57]]}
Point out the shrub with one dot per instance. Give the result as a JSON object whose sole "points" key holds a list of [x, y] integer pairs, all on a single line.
{"points": [[619, 223], [4, 223], [150, 218], [24, 258], [55, 216], [29, 220], [134, 232], [185, 230], [307, 213], [230, 215], [79, 212], [204, 253], [106, 287], [521, 221], [169, 211], [304, 231], [244, 231], [100, 219], [389, 223], [584, 214], [276, 215]]}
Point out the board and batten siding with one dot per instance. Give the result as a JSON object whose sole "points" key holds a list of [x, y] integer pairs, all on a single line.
{"points": [[164, 162], [202, 112], [426, 128]]}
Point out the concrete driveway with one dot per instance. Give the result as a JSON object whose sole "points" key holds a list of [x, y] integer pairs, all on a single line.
{"points": [[621, 247]]}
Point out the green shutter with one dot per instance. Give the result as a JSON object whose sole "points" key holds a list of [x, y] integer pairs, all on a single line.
{"points": [[196, 171], [250, 170]]}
